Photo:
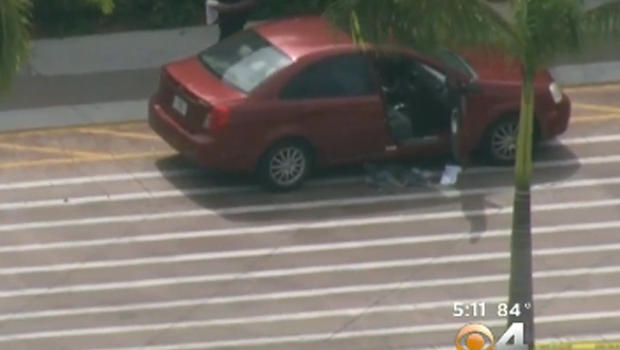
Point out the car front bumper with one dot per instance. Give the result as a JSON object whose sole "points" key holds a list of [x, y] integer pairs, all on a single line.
{"points": [[558, 119]]}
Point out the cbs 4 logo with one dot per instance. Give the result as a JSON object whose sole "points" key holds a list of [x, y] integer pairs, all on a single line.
{"points": [[480, 337]]}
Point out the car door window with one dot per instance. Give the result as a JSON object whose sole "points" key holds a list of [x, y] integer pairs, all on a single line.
{"points": [[335, 77]]}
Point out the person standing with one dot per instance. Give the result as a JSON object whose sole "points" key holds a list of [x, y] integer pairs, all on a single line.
{"points": [[232, 15]]}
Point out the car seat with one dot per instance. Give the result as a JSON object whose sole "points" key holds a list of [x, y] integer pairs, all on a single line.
{"points": [[400, 124]]}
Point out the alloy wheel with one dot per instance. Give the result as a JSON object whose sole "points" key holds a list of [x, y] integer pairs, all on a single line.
{"points": [[287, 166], [504, 141]]}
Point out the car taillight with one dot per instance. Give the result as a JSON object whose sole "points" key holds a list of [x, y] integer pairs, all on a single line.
{"points": [[217, 117]]}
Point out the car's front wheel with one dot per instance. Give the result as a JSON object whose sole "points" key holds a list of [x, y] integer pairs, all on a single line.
{"points": [[501, 141], [285, 166]]}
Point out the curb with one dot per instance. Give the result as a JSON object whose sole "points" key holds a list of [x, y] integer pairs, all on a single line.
{"points": [[73, 115]]}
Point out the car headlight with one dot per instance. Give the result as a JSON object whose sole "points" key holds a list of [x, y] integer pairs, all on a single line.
{"points": [[556, 92]]}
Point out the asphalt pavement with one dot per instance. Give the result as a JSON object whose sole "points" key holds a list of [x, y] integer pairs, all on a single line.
{"points": [[108, 240]]}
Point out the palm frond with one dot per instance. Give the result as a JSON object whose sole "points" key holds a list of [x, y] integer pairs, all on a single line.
{"points": [[106, 6], [536, 32], [423, 24], [546, 29], [14, 38]]}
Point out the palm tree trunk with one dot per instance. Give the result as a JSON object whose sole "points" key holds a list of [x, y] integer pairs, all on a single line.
{"points": [[521, 286]]}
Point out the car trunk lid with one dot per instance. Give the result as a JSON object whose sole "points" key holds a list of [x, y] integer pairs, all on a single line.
{"points": [[189, 91]]}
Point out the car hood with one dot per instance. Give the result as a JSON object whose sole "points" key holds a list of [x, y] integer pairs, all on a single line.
{"points": [[196, 78], [493, 67]]}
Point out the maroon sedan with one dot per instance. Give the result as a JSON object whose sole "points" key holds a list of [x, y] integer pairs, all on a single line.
{"points": [[287, 96]]}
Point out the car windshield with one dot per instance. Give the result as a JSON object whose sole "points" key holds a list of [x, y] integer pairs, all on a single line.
{"points": [[244, 60], [458, 63]]}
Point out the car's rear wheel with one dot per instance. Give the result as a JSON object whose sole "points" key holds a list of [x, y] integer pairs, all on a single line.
{"points": [[285, 166]]}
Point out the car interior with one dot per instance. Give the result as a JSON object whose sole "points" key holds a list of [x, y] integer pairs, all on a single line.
{"points": [[418, 99]]}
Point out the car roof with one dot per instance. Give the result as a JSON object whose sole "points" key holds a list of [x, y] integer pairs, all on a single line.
{"points": [[304, 35], [311, 34]]}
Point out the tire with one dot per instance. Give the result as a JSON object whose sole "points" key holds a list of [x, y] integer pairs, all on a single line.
{"points": [[500, 142], [295, 160]]}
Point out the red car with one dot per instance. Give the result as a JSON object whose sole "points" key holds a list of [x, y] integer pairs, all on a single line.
{"points": [[287, 96]]}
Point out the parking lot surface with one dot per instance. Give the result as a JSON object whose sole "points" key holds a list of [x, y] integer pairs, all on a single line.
{"points": [[108, 240]]}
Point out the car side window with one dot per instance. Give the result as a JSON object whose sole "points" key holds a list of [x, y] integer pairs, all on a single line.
{"points": [[334, 77]]}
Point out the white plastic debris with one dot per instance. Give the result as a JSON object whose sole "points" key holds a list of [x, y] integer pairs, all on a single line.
{"points": [[450, 175]]}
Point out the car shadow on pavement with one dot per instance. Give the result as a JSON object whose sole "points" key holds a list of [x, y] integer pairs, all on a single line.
{"points": [[351, 182]]}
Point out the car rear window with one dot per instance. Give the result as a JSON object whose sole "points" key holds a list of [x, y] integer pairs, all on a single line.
{"points": [[244, 60]]}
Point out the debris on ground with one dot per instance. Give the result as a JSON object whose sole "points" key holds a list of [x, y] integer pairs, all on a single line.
{"points": [[420, 177], [450, 175], [381, 176], [398, 176]]}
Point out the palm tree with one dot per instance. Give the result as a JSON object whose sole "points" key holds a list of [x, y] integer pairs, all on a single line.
{"points": [[534, 33], [13, 38], [106, 6], [14, 34]]}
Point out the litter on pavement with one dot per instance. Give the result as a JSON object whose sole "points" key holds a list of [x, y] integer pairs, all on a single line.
{"points": [[382, 176], [450, 175]]}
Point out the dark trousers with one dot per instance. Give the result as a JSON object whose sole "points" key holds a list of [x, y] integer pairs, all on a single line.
{"points": [[231, 26]]}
